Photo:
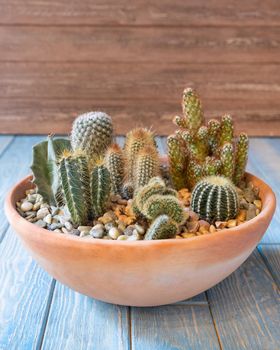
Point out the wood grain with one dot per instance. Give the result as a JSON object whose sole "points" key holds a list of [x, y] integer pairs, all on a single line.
{"points": [[246, 308], [271, 256], [141, 12], [24, 295], [152, 44], [173, 327], [15, 163], [264, 162]]}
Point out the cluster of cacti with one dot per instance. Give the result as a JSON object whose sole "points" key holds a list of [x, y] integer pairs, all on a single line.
{"points": [[114, 161], [161, 228], [215, 198], [196, 150]]}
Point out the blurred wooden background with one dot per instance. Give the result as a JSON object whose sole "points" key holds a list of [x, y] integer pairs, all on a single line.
{"points": [[133, 58]]}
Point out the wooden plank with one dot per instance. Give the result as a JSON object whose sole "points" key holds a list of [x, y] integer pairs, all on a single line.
{"points": [[5, 142], [152, 44], [14, 164], [25, 295], [79, 322], [26, 116], [142, 12], [246, 308], [271, 256], [173, 327], [264, 161]]}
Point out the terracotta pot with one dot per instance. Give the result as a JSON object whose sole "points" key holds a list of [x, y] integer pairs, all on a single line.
{"points": [[141, 273]]}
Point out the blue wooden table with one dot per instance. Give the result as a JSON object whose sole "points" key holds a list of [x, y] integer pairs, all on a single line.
{"points": [[242, 312]]}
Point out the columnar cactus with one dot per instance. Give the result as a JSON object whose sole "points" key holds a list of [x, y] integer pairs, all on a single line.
{"points": [[213, 136], [215, 198], [194, 173], [226, 134], [227, 160], [92, 132], [100, 189], [73, 170], [147, 166], [177, 161], [161, 228], [211, 166], [114, 161], [192, 109], [241, 157]]}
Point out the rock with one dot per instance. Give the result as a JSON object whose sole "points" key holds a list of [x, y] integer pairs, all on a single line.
{"points": [[188, 235], [212, 229], [31, 198], [55, 226], [68, 225], [115, 198], [251, 212], [76, 232], [203, 223], [193, 216], [231, 223], [57, 230], [41, 213], [26, 206], [140, 229], [129, 230], [54, 210], [48, 219], [178, 237], [30, 216], [249, 195], [41, 223], [121, 226], [82, 234], [36, 206], [192, 226], [97, 231], [243, 204], [241, 215], [122, 238], [114, 233], [258, 204], [84, 228], [109, 225], [134, 237], [220, 224], [64, 230], [44, 205]]}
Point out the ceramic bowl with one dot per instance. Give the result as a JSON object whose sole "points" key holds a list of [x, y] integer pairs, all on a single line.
{"points": [[141, 273]]}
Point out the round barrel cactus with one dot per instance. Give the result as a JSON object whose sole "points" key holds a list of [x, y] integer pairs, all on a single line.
{"points": [[215, 198]]}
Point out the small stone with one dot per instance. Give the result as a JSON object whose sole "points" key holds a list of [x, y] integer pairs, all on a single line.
{"points": [[84, 228], [178, 237], [241, 215], [36, 206], [30, 216], [203, 230], [18, 204], [105, 219], [257, 211], [41, 223], [107, 237], [134, 237], [97, 231], [76, 232], [55, 226], [57, 230], [48, 219], [203, 223], [243, 204], [231, 223], [140, 229], [30, 191], [115, 198], [122, 201], [82, 234], [212, 229], [249, 195], [114, 233], [41, 213], [54, 210], [64, 230], [188, 235], [251, 212], [68, 225], [26, 206], [193, 216], [122, 238], [109, 225], [121, 226], [220, 224], [192, 226], [258, 204], [44, 205], [129, 230]]}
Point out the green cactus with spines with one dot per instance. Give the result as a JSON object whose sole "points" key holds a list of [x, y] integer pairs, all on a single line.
{"points": [[228, 160], [92, 133], [211, 166], [164, 204], [163, 227], [147, 166], [215, 198], [241, 157], [213, 136], [192, 109], [194, 173], [74, 175], [136, 140], [201, 142], [114, 161], [226, 130], [177, 161], [180, 121], [127, 190], [100, 189]]}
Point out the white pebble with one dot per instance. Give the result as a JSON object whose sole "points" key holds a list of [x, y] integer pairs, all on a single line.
{"points": [[41, 223], [122, 238], [139, 229], [64, 230], [68, 225], [48, 219], [134, 237], [84, 228], [41, 213], [26, 206], [36, 206], [114, 233]]}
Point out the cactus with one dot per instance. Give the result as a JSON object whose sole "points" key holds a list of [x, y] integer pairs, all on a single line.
{"points": [[227, 160], [164, 204], [177, 162], [226, 134], [92, 132], [241, 157], [73, 170], [192, 109], [100, 189], [211, 166], [215, 198], [114, 162], [194, 173], [161, 228], [213, 136], [147, 166]]}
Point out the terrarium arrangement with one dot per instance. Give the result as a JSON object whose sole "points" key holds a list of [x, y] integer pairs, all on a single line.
{"points": [[90, 187]]}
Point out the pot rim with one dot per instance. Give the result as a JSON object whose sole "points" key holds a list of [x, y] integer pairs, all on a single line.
{"points": [[41, 234]]}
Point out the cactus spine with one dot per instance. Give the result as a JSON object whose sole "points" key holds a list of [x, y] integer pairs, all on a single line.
{"points": [[227, 160], [73, 170], [100, 189], [161, 228], [147, 166], [92, 132], [215, 198], [226, 134], [241, 157], [177, 161], [192, 109], [114, 161]]}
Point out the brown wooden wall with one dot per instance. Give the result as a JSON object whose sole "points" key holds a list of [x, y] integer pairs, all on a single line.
{"points": [[133, 58]]}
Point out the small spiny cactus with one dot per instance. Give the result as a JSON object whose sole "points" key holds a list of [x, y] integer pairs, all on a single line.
{"points": [[100, 189], [192, 109], [214, 198], [227, 160], [226, 134], [161, 228], [92, 132], [147, 166], [241, 157], [211, 166], [114, 162], [177, 161]]}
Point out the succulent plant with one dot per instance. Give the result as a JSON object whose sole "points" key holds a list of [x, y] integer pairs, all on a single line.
{"points": [[147, 165], [45, 170], [161, 228], [127, 190], [114, 161], [215, 198], [100, 189], [196, 150], [73, 170], [92, 132]]}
